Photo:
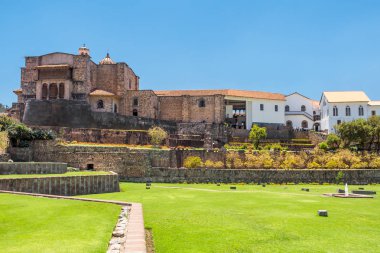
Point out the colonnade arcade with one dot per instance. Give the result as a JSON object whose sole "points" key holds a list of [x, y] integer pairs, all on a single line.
{"points": [[52, 90]]}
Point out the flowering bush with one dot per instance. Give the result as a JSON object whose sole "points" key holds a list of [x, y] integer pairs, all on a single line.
{"points": [[193, 162]]}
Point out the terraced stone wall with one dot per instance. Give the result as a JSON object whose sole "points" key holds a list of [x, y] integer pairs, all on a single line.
{"points": [[61, 185], [177, 175], [32, 168]]}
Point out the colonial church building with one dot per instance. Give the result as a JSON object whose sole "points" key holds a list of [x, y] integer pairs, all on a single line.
{"points": [[113, 87]]}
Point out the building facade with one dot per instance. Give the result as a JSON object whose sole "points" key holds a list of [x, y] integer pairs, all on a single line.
{"points": [[302, 112], [344, 106], [114, 88]]}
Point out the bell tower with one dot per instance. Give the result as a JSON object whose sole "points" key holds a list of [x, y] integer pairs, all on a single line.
{"points": [[83, 50]]}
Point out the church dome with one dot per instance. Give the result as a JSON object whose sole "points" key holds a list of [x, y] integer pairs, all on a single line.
{"points": [[106, 60]]}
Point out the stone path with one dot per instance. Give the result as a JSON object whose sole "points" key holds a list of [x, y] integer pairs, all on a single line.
{"points": [[135, 241]]}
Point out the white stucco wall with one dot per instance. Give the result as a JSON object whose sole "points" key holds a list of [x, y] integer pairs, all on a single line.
{"points": [[295, 101], [328, 120], [268, 115], [297, 121], [375, 108]]}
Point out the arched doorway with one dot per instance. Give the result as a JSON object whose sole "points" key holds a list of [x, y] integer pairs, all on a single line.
{"points": [[53, 91], [316, 127], [61, 90], [44, 91]]}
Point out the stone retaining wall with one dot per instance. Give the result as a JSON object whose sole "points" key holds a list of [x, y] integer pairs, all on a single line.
{"points": [[65, 186], [171, 175], [32, 168], [4, 157]]}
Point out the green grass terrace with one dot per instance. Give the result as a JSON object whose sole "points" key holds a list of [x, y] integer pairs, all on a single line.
{"points": [[199, 218]]}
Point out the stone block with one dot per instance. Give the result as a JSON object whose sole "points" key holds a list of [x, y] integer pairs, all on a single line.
{"points": [[323, 213]]}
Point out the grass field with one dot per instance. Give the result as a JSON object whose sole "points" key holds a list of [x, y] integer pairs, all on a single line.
{"points": [[40, 225], [67, 174], [199, 218], [208, 218]]}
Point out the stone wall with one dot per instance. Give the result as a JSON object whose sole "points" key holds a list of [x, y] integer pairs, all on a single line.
{"points": [[4, 157], [171, 175], [188, 109], [78, 114], [134, 137], [66, 186], [32, 168]]}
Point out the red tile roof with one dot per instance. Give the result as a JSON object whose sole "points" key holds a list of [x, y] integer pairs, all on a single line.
{"points": [[227, 92], [101, 93]]}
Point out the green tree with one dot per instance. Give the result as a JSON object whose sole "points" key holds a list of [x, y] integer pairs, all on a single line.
{"points": [[374, 140], [2, 108], [333, 141], [356, 132], [157, 135], [257, 134]]}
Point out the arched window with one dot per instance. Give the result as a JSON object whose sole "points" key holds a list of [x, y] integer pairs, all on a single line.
{"points": [[61, 90], [100, 104], [135, 113], [335, 111], [287, 108], [201, 103], [135, 101], [53, 91], [361, 111], [115, 108], [304, 124], [303, 108], [289, 123], [348, 111], [44, 91]]}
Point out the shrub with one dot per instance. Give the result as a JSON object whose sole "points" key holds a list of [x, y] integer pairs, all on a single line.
{"points": [[209, 164], [323, 146], [292, 161], [3, 141], [313, 165], [6, 122], [333, 141], [256, 134], [218, 165], [157, 135], [336, 163], [375, 163], [40, 134], [339, 177], [193, 162]]}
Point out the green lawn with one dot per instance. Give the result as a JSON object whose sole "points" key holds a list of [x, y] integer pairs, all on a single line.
{"points": [[208, 218], [41, 225], [71, 174]]}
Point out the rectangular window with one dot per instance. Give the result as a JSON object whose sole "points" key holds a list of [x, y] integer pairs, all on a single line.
{"points": [[261, 107], [373, 113], [339, 121], [276, 108]]}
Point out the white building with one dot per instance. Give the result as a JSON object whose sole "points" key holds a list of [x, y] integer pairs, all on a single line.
{"points": [[373, 108], [244, 108], [302, 112], [343, 106]]}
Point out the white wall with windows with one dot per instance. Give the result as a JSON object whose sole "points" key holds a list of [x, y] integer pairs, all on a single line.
{"points": [[300, 111], [333, 114], [374, 108], [262, 110]]}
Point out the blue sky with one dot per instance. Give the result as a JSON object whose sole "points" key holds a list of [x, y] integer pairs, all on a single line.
{"points": [[270, 45]]}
